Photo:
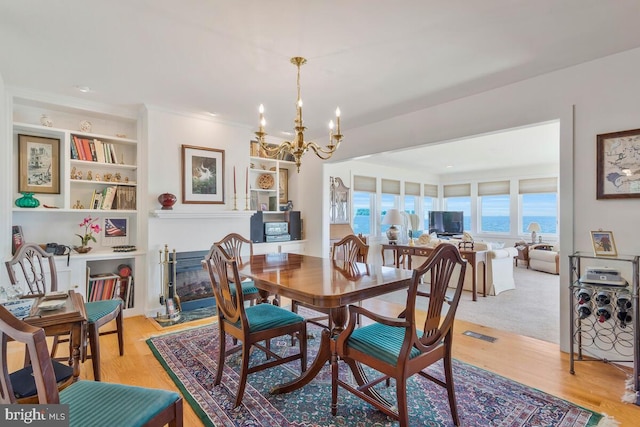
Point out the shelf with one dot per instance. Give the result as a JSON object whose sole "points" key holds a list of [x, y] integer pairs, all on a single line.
{"points": [[102, 165], [46, 129], [86, 181], [181, 214], [41, 210]]}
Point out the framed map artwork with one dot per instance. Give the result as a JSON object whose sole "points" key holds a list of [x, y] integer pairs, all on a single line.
{"points": [[618, 165]]}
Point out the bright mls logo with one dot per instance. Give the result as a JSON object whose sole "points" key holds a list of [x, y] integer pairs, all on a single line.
{"points": [[35, 415]]}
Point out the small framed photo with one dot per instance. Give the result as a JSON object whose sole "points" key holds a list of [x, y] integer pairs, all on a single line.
{"points": [[603, 243], [618, 165], [115, 232], [202, 175], [39, 164]]}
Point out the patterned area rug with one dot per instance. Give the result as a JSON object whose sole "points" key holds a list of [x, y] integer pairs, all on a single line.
{"points": [[484, 399]]}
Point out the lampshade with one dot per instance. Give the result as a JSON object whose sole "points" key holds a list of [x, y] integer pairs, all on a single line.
{"points": [[534, 226], [393, 216]]}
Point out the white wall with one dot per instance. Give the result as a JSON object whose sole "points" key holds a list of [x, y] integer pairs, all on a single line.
{"points": [[602, 95]]}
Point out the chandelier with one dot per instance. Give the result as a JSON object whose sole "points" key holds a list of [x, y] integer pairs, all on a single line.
{"points": [[298, 147]]}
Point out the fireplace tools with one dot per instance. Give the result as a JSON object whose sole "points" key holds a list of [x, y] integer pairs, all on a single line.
{"points": [[168, 297]]}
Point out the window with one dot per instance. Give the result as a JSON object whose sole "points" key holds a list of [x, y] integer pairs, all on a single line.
{"points": [[495, 204], [363, 205], [541, 208], [430, 195], [460, 204]]}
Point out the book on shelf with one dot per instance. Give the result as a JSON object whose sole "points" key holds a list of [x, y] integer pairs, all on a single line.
{"points": [[74, 149], [108, 196], [102, 286], [87, 149], [99, 150], [114, 156]]}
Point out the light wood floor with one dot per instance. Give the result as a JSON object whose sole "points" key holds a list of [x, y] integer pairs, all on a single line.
{"points": [[539, 364]]}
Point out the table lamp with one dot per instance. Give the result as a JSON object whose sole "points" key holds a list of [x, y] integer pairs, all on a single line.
{"points": [[393, 218], [534, 228]]}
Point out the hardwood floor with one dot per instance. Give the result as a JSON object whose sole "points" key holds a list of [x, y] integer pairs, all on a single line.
{"points": [[539, 364]]}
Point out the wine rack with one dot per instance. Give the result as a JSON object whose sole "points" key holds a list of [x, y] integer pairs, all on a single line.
{"points": [[604, 318]]}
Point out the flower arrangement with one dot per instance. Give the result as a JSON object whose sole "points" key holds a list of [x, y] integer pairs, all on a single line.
{"points": [[90, 227]]}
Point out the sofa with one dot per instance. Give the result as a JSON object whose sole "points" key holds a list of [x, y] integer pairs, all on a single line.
{"points": [[544, 257], [499, 265]]}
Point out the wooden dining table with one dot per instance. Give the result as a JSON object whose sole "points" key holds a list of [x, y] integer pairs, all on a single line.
{"points": [[70, 319], [323, 283]]}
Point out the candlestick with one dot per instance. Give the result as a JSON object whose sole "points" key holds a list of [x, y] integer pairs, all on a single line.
{"points": [[234, 180], [235, 202], [246, 182], [246, 202]]}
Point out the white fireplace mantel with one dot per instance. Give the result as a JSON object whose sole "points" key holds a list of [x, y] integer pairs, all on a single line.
{"points": [[199, 214]]}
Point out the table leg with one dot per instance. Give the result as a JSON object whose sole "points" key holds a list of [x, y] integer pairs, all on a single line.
{"points": [[325, 350], [76, 341], [474, 282]]}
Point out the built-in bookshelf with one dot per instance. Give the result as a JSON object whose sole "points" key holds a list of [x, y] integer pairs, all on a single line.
{"points": [[93, 159]]}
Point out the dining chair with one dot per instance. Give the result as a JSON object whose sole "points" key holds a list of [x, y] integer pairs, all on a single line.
{"points": [[398, 348], [38, 269], [234, 244], [350, 248], [91, 403], [249, 325]]}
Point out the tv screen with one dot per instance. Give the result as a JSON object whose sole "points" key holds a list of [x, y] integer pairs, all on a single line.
{"points": [[446, 222]]}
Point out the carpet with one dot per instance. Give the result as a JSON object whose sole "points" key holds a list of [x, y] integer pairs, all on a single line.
{"points": [[484, 399]]}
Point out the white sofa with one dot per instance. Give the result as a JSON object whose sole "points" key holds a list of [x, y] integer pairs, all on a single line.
{"points": [[499, 267]]}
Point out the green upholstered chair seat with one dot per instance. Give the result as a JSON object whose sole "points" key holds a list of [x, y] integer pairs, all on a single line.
{"points": [[94, 403], [247, 288], [268, 316], [98, 309], [380, 341]]}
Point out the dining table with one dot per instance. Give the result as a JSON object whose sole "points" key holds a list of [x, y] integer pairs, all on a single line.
{"points": [[323, 283], [62, 314]]}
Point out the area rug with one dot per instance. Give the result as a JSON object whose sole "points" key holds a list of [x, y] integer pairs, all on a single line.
{"points": [[484, 399]]}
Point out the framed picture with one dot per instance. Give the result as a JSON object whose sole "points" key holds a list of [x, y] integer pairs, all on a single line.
{"points": [[115, 232], [618, 165], [202, 175], [38, 164], [603, 243], [283, 186]]}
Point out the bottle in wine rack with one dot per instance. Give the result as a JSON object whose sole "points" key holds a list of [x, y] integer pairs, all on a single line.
{"points": [[623, 301], [603, 298], [584, 296], [625, 318], [584, 311], [603, 313]]}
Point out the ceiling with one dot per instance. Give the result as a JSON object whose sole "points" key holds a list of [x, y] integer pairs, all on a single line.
{"points": [[375, 59]]}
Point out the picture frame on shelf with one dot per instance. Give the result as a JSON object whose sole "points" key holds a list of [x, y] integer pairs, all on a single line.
{"points": [[254, 149], [115, 232], [38, 164], [603, 243], [283, 186], [202, 175], [618, 165]]}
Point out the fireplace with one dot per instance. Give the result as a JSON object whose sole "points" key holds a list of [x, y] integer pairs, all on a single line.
{"points": [[191, 281]]}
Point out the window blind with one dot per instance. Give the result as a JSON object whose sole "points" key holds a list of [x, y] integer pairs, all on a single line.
{"points": [[390, 186], [538, 185], [411, 189], [493, 188], [364, 183], [457, 190], [430, 190]]}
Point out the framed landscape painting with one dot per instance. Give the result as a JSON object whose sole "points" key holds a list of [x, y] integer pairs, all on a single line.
{"points": [[39, 164], [603, 243], [202, 175]]}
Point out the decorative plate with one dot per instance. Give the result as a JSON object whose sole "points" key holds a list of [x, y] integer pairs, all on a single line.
{"points": [[265, 181]]}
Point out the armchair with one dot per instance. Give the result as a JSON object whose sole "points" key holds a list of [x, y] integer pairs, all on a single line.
{"points": [[544, 257], [395, 347]]}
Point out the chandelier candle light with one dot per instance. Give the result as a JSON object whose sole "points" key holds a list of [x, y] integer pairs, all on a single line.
{"points": [[298, 147]]}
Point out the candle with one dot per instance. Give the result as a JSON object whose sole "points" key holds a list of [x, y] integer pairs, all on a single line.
{"points": [[330, 131], [338, 120], [261, 119], [234, 180], [246, 182]]}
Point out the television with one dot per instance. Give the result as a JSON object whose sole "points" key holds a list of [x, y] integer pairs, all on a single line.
{"points": [[446, 223]]}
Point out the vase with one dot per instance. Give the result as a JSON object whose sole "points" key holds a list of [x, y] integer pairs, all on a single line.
{"points": [[167, 200], [82, 249], [46, 121], [27, 201]]}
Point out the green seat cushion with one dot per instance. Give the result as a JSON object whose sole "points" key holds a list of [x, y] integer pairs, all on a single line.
{"points": [[380, 341], [248, 288], [267, 316], [93, 403], [98, 309]]}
